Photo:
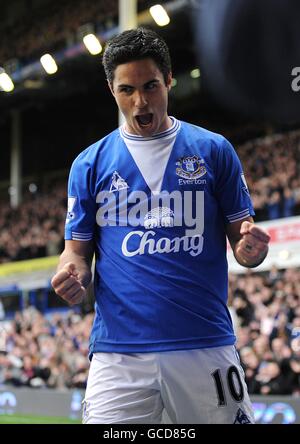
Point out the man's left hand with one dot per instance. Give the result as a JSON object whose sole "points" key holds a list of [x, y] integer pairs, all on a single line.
{"points": [[253, 246]]}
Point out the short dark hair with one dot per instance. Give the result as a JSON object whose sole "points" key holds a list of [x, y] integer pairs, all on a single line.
{"points": [[136, 44]]}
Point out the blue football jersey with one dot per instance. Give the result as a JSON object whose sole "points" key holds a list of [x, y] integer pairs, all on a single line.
{"points": [[161, 274]]}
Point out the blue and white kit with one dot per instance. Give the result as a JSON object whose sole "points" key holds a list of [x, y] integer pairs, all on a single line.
{"points": [[156, 209]]}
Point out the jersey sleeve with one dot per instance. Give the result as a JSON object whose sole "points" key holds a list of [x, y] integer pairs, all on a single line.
{"points": [[81, 213], [231, 187]]}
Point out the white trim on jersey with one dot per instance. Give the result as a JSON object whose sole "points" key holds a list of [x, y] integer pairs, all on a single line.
{"points": [[238, 216], [82, 236]]}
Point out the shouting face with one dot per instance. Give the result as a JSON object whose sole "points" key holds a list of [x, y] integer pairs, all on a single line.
{"points": [[142, 96]]}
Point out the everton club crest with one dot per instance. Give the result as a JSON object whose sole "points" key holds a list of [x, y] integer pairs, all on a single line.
{"points": [[190, 167]]}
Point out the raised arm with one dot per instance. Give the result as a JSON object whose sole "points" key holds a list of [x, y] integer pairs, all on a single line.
{"points": [[74, 271]]}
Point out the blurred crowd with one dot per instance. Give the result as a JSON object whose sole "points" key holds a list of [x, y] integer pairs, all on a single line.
{"points": [[42, 351], [51, 28], [54, 27], [45, 352], [36, 228], [266, 314], [272, 168]]}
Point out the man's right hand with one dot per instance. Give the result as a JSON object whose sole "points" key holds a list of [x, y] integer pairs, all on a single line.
{"points": [[67, 284]]}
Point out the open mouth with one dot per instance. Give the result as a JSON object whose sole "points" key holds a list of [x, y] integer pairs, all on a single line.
{"points": [[144, 120]]}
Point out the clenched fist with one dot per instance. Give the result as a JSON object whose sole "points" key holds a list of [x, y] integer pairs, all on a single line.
{"points": [[67, 284], [254, 242]]}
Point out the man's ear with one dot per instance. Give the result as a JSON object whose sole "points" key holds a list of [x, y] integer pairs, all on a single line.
{"points": [[169, 81]]}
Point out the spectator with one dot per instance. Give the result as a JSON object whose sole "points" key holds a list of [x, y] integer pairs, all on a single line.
{"points": [[250, 363], [274, 205], [46, 352], [289, 202], [270, 381]]}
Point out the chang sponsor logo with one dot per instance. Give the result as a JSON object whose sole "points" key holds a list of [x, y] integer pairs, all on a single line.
{"points": [[150, 243]]}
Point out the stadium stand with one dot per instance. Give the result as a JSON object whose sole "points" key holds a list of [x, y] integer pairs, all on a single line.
{"points": [[267, 318], [40, 29], [51, 27], [272, 165], [36, 228], [42, 352]]}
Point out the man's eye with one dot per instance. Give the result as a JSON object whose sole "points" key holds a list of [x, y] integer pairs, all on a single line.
{"points": [[126, 89], [151, 86]]}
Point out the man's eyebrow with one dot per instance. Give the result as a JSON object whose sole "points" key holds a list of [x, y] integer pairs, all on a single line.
{"points": [[124, 85], [151, 81]]}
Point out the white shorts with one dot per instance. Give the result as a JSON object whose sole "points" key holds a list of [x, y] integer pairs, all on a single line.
{"points": [[204, 386]]}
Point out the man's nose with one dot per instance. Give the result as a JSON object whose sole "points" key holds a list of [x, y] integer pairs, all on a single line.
{"points": [[140, 100]]}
